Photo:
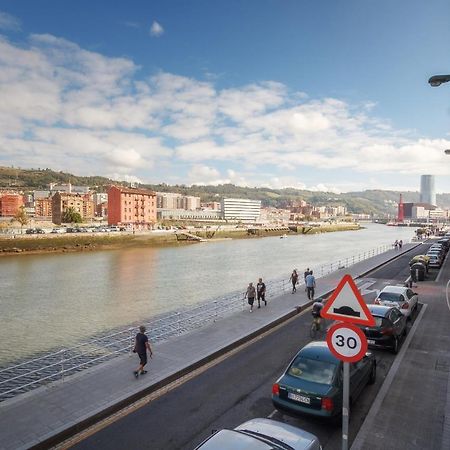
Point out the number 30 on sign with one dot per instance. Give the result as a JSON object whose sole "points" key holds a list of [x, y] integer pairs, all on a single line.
{"points": [[347, 342]]}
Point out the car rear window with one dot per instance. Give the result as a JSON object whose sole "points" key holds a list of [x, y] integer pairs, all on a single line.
{"points": [[390, 297], [313, 370]]}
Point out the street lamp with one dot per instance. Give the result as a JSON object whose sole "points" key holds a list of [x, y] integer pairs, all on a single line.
{"points": [[447, 152], [437, 80]]}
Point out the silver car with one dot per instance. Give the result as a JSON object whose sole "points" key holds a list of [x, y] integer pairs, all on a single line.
{"points": [[261, 434], [405, 299]]}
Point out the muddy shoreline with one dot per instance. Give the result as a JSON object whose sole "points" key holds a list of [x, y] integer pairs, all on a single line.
{"points": [[85, 242]]}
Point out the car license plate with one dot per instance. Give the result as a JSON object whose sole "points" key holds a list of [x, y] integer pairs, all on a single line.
{"points": [[299, 398], [370, 342]]}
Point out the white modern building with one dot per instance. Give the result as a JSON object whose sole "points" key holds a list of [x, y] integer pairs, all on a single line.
{"points": [[241, 209], [427, 189]]}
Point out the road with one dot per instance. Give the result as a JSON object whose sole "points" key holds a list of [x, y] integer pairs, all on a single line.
{"points": [[239, 388]]}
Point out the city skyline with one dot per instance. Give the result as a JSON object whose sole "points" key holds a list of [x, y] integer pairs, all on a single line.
{"points": [[250, 94]]}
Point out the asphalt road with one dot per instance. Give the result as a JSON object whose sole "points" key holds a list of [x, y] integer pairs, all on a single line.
{"points": [[239, 388]]}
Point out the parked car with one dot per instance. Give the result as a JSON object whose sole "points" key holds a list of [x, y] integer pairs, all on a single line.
{"points": [[405, 299], [312, 382], [435, 260], [445, 242], [390, 327], [264, 434], [29, 231], [438, 247]]}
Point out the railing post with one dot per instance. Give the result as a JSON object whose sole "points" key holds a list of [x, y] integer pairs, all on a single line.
{"points": [[62, 364]]}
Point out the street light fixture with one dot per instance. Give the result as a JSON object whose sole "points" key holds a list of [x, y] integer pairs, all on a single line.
{"points": [[437, 80], [447, 152]]}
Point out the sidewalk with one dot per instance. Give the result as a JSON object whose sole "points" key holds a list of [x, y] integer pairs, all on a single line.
{"points": [[412, 409], [47, 415]]}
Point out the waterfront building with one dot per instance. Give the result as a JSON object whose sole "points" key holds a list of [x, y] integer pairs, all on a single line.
{"points": [[241, 209], [10, 202], [131, 207], [275, 216], [427, 189], [101, 209], [171, 200], [43, 208], [81, 203]]}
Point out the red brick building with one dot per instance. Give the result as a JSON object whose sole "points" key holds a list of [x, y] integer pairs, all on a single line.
{"points": [[10, 204], [128, 206]]}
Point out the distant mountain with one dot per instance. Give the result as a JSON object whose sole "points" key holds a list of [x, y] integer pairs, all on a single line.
{"points": [[376, 202]]}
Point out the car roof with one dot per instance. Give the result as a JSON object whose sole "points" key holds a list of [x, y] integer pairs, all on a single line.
{"points": [[379, 310], [394, 289], [317, 350]]}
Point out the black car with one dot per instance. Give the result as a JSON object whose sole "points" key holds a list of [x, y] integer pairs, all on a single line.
{"points": [[390, 327]]}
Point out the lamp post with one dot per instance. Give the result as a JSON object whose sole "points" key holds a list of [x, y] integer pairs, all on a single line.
{"points": [[447, 151], [437, 80]]}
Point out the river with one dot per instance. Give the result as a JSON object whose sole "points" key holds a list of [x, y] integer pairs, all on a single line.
{"points": [[54, 300]]}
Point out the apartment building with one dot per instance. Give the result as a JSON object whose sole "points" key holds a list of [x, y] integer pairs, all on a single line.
{"points": [[43, 208], [10, 202], [131, 207], [171, 200], [81, 203]]}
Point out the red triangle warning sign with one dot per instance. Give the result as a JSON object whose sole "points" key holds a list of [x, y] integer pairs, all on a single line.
{"points": [[347, 304]]}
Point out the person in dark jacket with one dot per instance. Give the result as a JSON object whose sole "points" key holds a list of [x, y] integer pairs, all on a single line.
{"points": [[141, 345]]}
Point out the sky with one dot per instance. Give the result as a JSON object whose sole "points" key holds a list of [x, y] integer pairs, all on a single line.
{"points": [[319, 95]]}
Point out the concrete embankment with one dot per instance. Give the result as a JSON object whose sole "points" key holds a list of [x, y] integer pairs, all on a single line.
{"points": [[100, 241]]}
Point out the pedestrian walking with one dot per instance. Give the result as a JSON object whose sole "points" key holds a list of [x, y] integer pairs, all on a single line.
{"points": [[310, 285], [261, 292], [305, 274], [396, 244], [250, 294], [141, 345], [400, 244], [294, 280]]}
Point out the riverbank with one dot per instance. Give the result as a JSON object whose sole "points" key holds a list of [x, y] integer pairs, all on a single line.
{"points": [[52, 243]]}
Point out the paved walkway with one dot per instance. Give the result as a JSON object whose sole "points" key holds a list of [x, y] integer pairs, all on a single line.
{"points": [[412, 409], [49, 414]]}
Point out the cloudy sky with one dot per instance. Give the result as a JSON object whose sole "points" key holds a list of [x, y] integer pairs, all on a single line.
{"points": [[326, 94]]}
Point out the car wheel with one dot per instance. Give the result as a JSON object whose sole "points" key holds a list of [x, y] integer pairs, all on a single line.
{"points": [[395, 346], [373, 373]]}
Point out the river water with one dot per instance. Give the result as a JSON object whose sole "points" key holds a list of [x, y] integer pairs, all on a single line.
{"points": [[54, 300]]}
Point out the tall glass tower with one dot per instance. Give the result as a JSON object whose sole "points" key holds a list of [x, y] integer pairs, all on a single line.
{"points": [[427, 191]]}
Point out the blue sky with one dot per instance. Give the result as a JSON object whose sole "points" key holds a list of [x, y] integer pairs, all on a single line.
{"points": [[309, 94]]}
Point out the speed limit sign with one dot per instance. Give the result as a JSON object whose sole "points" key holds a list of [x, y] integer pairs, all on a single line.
{"points": [[347, 342]]}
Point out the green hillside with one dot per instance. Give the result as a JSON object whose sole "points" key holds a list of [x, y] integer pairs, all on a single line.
{"points": [[377, 202]]}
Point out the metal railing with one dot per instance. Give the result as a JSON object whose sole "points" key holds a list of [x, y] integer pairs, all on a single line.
{"points": [[57, 365]]}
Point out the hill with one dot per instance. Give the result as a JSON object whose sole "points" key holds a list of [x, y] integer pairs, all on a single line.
{"points": [[377, 202]]}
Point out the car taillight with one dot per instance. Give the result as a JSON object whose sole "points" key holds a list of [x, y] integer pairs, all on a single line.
{"points": [[276, 389], [405, 306], [327, 404], [388, 331]]}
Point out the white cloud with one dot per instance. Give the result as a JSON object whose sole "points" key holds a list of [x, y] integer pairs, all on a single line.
{"points": [[68, 108], [9, 22], [156, 29]]}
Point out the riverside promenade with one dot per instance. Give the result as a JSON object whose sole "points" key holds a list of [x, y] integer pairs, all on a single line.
{"points": [[47, 415]]}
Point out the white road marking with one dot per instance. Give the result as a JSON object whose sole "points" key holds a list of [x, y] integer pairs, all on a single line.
{"points": [[272, 414]]}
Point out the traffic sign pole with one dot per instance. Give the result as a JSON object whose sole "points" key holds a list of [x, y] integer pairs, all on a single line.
{"points": [[345, 405]]}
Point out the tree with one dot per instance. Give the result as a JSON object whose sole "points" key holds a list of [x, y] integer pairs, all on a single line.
{"points": [[71, 216], [21, 217]]}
